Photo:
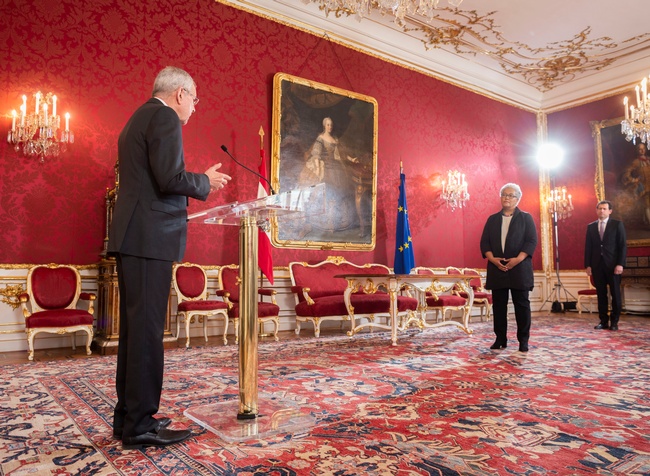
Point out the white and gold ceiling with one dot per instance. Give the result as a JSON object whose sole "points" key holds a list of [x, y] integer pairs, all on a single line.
{"points": [[537, 54]]}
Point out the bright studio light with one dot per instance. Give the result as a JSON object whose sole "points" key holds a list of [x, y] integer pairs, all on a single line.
{"points": [[550, 155]]}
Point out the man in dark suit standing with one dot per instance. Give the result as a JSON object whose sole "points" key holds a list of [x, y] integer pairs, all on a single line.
{"points": [[605, 251], [147, 234]]}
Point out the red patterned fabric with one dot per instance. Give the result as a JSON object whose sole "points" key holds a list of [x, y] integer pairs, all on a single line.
{"points": [[201, 306], [100, 59], [445, 300], [476, 282], [362, 303], [264, 309], [321, 281], [190, 281], [54, 288], [587, 292], [478, 295], [229, 282], [59, 318]]}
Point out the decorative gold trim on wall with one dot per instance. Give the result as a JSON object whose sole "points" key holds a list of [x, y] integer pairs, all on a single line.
{"points": [[10, 295]]}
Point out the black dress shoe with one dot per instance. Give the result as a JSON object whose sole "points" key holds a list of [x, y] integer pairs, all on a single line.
{"points": [[614, 327], [158, 437], [523, 347], [498, 345], [162, 423], [601, 326]]}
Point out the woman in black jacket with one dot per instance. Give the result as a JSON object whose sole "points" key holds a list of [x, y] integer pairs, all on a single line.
{"points": [[508, 241]]}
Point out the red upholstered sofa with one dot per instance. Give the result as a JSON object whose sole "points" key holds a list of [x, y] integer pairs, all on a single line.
{"points": [[319, 294]]}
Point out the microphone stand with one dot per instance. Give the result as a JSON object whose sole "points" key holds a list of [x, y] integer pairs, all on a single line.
{"points": [[225, 149]]}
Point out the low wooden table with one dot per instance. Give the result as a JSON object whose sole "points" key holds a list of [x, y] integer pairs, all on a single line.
{"points": [[418, 283]]}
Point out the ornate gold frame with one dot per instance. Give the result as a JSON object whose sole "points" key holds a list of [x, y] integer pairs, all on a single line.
{"points": [[613, 155], [345, 219]]}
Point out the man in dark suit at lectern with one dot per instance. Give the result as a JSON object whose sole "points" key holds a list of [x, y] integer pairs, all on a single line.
{"points": [[147, 234], [605, 252]]}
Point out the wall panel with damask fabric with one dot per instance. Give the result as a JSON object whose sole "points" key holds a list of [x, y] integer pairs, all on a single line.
{"points": [[100, 58]]}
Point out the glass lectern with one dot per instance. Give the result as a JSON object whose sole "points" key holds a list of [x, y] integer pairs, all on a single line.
{"points": [[242, 420]]}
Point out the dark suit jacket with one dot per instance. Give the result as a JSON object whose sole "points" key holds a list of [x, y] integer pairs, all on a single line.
{"points": [[150, 214], [522, 236], [611, 251]]}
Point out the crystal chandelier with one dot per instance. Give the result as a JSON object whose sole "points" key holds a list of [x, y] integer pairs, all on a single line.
{"points": [[637, 118], [454, 190], [398, 8], [559, 201], [39, 133]]}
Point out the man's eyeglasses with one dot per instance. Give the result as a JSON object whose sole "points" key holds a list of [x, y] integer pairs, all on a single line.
{"points": [[508, 195], [195, 100]]}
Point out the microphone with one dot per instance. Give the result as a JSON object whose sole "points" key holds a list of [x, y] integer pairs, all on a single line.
{"points": [[223, 147]]}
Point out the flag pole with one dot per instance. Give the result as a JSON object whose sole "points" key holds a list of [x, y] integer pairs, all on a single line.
{"points": [[261, 133]]}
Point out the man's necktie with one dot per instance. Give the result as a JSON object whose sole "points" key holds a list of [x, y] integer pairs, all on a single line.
{"points": [[601, 229]]}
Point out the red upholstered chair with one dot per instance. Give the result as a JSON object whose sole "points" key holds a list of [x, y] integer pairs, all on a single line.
{"points": [[588, 295], [482, 297], [191, 285], [444, 303], [229, 282], [50, 304]]}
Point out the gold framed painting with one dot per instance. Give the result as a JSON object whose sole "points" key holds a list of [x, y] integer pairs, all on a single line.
{"points": [[623, 178], [325, 135]]}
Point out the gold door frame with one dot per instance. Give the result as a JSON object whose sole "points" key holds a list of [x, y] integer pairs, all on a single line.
{"points": [[614, 155]]}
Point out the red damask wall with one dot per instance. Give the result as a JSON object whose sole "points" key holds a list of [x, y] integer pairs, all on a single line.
{"points": [[100, 58], [571, 129]]}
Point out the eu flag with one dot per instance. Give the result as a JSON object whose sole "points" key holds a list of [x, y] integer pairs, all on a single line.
{"points": [[404, 258]]}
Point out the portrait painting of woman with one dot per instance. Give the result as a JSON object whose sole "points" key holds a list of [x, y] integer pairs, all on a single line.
{"points": [[327, 136]]}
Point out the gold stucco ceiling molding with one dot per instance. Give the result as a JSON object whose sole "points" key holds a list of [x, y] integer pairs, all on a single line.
{"points": [[466, 33]]}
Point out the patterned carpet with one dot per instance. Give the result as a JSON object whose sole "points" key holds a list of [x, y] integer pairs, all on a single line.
{"points": [[439, 403]]}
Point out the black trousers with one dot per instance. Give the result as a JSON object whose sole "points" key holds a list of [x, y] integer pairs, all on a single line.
{"points": [[602, 280], [522, 314], [144, 286]]}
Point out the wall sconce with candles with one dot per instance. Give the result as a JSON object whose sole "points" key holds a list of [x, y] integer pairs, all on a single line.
{"points": [[39, 134], [559, 201], [454, 190], [637, 119]]}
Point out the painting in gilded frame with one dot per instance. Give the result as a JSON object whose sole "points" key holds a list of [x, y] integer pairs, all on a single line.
{"points": [[325, 135], [623, 178]]}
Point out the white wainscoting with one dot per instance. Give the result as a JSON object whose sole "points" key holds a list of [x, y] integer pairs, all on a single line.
{"points": [[12, 327]]}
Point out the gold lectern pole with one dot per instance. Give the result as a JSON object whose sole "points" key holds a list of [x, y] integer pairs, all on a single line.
{"points": [[248, 319]]}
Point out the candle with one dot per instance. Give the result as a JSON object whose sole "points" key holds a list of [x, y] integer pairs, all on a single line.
{"points": [[627, 112], [38, 100], [443, 186], [570, 202], [45, 114], [13, 120], [67, 121], [54, 105], [23, 108], [638, 98]]}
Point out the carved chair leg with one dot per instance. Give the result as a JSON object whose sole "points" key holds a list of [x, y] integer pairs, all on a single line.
{"points": [[89, 340], [225, 329], [30, 345], [187, 330], [73, 337]]}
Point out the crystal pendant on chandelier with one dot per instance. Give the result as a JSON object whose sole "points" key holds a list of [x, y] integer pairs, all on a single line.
{"points": [[636, 124], [39, 134], [454, 190]]}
